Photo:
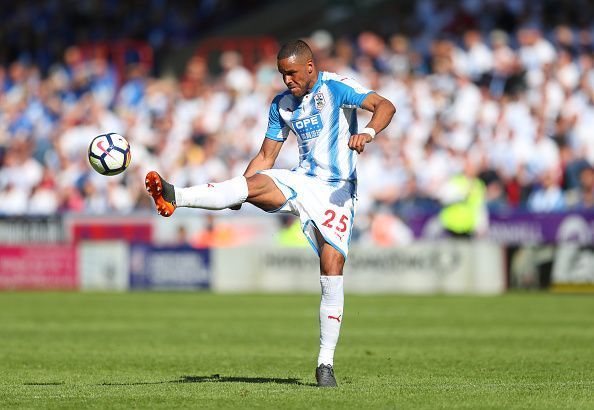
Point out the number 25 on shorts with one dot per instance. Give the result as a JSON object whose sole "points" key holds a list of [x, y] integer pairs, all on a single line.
{"points": [[331, 215]]}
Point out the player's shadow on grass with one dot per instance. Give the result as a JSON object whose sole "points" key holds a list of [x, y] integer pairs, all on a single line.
{"points": [[215, 378], [224, 379]]}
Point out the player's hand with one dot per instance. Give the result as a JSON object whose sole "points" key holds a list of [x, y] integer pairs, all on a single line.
{"points": [[358, 141], [236, 207]]}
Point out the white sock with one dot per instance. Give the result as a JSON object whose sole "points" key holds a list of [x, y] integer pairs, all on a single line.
{"points": [[331, 308], [213, 196]]}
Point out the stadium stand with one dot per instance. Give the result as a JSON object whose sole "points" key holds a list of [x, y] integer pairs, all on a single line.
{"points": [[519, 97]]}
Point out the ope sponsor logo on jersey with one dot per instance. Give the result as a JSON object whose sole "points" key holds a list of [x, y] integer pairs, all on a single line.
{"points": [[308, 128]]}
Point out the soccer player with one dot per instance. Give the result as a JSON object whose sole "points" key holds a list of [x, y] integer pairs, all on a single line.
{"points": [[320, 109]]}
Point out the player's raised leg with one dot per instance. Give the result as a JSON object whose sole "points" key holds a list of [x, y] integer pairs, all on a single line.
{"points": [[258, 190], [331, 311]]}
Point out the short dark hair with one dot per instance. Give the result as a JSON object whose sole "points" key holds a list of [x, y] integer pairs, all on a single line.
{"points": [[297, 48]]}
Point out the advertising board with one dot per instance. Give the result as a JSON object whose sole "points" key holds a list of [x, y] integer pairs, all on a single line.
{"points": [[169, 267], [38, 267], [103, 265], [424, 268]]}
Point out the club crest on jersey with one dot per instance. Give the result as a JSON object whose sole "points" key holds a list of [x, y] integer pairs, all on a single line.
{"points": [[319, 100]]}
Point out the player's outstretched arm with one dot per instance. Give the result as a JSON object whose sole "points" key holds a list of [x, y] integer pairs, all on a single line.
{"points": [[383, 111], [264, 159]]}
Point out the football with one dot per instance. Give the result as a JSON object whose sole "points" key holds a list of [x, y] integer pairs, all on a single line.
{"points": [[109, 154]]}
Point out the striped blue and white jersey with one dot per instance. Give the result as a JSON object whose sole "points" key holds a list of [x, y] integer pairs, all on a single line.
{"points": [[323, 121]]}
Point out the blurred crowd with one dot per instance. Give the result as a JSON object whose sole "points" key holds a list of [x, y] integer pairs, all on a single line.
{"points": [[165, 25], [517, 104]]}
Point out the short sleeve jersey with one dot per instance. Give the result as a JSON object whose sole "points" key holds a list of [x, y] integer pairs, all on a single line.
{"points": [[323, 121]]}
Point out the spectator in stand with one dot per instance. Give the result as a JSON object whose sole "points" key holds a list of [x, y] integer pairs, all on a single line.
{"points": [[44, 198], [290, 234], [464, 213], [548, 197], [13, 200], [582, 198], [479, 57], [387, 230], [400, 59]]}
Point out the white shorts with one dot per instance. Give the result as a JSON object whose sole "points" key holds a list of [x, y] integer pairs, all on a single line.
{"points": [[318, 205]]}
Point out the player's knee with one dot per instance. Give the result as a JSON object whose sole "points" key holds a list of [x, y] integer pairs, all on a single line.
{"points": [[256, 185]]}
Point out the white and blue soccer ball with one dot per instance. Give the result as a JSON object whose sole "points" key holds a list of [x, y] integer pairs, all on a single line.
{"points": [[109, 154]]}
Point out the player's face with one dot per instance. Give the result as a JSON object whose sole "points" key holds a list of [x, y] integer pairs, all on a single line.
{"points": [[297, 75]]}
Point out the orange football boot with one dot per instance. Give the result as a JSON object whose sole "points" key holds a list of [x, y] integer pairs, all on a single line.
{"points": [[162, 192]]}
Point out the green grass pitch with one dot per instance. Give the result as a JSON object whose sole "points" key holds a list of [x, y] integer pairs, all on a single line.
{"points": [[200, 350]]}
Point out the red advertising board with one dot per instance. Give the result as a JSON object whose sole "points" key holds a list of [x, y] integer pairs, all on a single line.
{"points": [[131, 231], [38, 267]]}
